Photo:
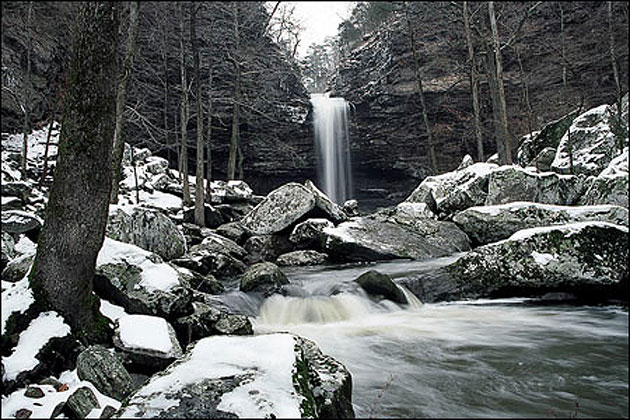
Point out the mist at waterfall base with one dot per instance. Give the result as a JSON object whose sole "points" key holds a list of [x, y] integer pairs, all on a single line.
{"points": [[330, 123], [482, 358]]}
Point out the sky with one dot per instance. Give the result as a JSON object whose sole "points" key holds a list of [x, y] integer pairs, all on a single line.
{"points": [[320, 19]]}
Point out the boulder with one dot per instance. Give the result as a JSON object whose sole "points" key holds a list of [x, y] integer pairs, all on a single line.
{"points": [[267, 247], [140, 281], [379, 284], [219, 244], [488, 224], [233, 191], [466, 162], [8, 249], [531, 146], [351, 208], [12, 203], [302, 257], [262, 277], [146, 342], [330, 210], [98, 365], [234, 231], [234, 211], [81, 402], [588, 259], [17, 221], [18, 268], [512, 183], [206, 284], [148, 229], [543, 160], [215, 255], [611, 185], [592, 143], [20, 189], [454, 191], [262, 376], [377, 238], [156, 165], [280, 209], [213, 217], [308, 234], [207, 320]]}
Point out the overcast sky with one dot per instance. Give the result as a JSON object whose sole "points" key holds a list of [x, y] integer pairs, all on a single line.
{"points": [[320, 19]]}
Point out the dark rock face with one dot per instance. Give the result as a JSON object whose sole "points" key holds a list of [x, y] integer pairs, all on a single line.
{"points": [[376, 283], [387, 136], [98, 366]]}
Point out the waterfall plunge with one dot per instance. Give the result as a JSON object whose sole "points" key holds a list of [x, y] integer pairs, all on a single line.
{"points": [[331, 140]]}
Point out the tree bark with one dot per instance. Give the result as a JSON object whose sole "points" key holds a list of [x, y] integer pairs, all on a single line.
{"points": [[199, 214], [621, 126], [45, 166], [506, 157], [164, 31], [474, 86], [28, 87], [184, 110], [425, 118], [76, 214], [231, 168], [209, 142], [121, 94]]}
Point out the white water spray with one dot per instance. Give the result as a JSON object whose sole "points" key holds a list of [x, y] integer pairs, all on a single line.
{"points": [[332, 144]]}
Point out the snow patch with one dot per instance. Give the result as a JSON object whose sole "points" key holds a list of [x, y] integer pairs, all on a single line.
{"points": [[145, 332], [569, 229], [16, 297], [111, 311], [542, 258]]}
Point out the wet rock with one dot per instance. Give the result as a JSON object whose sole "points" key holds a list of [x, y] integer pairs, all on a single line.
{"points": [[148, 229], [488, 224], [81, 402], [262, 277], [379, 284], [146, 342], [302, 257], [98, 366], [351, 208], [280, 209], [309, 233]]}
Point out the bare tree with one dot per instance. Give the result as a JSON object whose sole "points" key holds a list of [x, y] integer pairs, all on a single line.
{"points": [[474, 85], [236, 99], [28, 89], [76, 213], [199, 213], [209, 141], [184, 111]]}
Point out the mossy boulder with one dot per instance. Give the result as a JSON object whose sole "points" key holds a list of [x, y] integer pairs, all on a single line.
{"points": [[98, 365]]}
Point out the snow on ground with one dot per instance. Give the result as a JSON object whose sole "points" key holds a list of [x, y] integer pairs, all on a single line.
{"points": [[45, 405], [36, 142], [155, 199], [155, 276], [145, 332], [16, 297], [495, 210], [111, 311], [25, 246], [268, 359], [46, 326]]}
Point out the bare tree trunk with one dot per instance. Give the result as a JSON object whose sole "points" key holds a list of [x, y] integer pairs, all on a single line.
{"points": [[565, 85], [474, 86], [199, 215], [76, 213], [425, 118], [231, 168], [241, 158], [184, 110], [28, 87], [45, 166], [506, 159], [525, 88], [166, 87], [121, 93], [209, 142], [621, 130]]}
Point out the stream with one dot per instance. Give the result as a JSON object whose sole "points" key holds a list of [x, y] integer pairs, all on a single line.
{"points": [[482, 358]]}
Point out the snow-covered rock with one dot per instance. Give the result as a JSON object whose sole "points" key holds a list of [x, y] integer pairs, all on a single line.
{"points": [[215, 255], [148, 229], [302, 257], [146, 341], [584, 258], [280, 209], [531, 146], [16, 298], [17, 221], [308, 234], [331, 210], [611, 185], [488, 224], [139, 281], [512, 183], [544, 159], [273, 375], [233, 191]]}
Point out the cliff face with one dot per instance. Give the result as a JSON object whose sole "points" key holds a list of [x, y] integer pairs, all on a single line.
{"points": [[387, 133]]}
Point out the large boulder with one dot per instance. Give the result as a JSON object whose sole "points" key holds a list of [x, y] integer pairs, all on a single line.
{"points": [[330, 210], [234, 231], [592, 142], [267, 247], [379, 284], [219, 244], [588, 259], [148, 343], [280, 209], [140, 281], [262, 277], [8, 249], [207, 320], [149, 229], [213, 218], [379, 238], [234, 191], [215, 255], [512, 183], [488, 224], [302, 257], [264, 376], [547, 138], [308, 234], [611, 185], [81, 403], [454, 191], [98, 365]]}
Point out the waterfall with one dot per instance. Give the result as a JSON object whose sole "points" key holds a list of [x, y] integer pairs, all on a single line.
{"points": [[332, 143]]}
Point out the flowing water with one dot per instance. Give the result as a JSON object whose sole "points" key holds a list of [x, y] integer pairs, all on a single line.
{"points": [[483, 358], [330, 119]]}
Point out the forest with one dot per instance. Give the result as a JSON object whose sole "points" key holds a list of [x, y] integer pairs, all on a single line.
{"points": [[424, 214]]}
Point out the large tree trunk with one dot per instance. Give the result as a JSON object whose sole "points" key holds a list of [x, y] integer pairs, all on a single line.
{"points": [[200, 218], [236, 111], [121, 94], [425, 118], [28, 88], [209, 142], [184, 110], [76, 213], [505, 158], [474, 86]]}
